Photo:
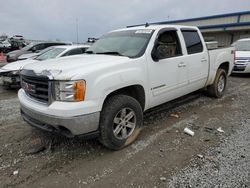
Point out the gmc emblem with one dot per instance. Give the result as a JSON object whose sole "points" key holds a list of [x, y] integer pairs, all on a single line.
{"points": [[28, 87]]}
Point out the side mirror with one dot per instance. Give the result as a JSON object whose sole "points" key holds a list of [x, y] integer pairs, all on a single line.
{"points": [[155, 54], [33, 49]]}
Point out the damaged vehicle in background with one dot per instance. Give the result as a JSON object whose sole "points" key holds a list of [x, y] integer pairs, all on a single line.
{"points": [[5, 46], [31, 48], [242, 56], [9, 74], [126, 72]]}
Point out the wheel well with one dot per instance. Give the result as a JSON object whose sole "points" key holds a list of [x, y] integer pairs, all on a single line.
{"points": [[135, 91], [225, 66]]}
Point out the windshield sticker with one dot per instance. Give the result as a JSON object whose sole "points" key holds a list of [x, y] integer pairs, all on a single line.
{"points": [[145, 31]]}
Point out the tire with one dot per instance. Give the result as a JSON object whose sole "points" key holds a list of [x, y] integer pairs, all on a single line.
{"points": [[217, 89], [120, 122]]}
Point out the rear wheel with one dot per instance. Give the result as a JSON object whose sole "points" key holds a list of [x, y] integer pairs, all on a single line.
{"points": [[121, 121], [217, 89]]}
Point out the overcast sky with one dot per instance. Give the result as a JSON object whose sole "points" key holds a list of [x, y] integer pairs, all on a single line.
{"points": [[56, 19]]}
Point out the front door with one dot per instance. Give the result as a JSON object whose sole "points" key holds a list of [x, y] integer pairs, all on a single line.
{"points": [[168, 70]]}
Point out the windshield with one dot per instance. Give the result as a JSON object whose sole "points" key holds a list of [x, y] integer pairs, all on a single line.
{"points": [[242, 46], [27, 48], [50, 54], [130, 43]]}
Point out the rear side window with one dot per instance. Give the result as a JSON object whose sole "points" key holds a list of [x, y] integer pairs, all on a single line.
{"points": [[84, 49], [193, 41], [74, 52]]}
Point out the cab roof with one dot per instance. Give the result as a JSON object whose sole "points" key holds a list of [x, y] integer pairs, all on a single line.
{"points": [[157, 27], [69, 47]]}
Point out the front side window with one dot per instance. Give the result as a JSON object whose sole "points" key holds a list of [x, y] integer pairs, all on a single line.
{"points": [[38, 47], [130, 43], [192, 41], [168, 45]]}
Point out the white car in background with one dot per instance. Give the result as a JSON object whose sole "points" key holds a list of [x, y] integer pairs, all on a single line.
{"points": [[9, 74], [33, 55], [242, 56]]}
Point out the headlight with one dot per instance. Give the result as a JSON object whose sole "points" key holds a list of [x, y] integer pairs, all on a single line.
{"points": [[71, 91]]}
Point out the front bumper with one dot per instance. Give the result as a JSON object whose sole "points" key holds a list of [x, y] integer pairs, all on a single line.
{"points": [[10, 80], [241, 67], [68, 126]]}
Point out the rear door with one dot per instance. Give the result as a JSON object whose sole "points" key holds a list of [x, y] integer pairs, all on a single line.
{"points": [[197, 59], [168, 75]]}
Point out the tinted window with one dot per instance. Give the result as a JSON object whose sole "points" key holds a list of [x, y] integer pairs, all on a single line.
{"points": [[83, 49], [53, 44], [74, 52], [38, 47], [193, 41]]}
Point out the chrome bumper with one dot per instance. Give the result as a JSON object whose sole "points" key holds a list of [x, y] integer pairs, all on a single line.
{"points": [[70, 127]]}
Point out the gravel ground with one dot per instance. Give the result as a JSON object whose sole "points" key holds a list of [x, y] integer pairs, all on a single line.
{"points": [[163, 155], [227, 165], [224, 166]]}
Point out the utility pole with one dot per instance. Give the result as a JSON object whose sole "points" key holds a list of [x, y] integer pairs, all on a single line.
{"points": [[77, 30]]}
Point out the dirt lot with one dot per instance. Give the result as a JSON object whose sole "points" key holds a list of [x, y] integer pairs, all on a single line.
{"points": [[163, 156]]}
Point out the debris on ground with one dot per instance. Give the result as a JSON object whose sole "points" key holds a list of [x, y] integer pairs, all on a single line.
{"points": [[176, 115], [220, 130], [189, 131], [15, 172], [208, 129], [200, 156], [163, 179]]}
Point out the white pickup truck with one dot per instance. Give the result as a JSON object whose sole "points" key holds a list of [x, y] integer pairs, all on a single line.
{"points": [[126, 72]]}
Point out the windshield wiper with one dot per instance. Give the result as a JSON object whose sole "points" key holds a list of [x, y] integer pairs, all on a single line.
{"points": [[110, 53]]}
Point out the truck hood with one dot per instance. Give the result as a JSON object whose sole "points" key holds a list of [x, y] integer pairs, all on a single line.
{"points": [[242, 54], [67, 67], [16, 65]]}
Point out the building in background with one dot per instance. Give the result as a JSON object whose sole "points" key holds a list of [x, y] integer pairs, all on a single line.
{"points": [[224, 28]]}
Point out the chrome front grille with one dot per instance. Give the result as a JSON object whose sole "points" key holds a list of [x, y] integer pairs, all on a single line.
{"points": [[36, 87], [240, 64]]}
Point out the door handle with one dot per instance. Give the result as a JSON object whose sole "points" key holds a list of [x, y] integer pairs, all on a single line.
{"points": [[203, 60], [182, 64]]}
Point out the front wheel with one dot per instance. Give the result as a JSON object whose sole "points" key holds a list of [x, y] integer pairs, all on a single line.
{"points": [[217, 89], [121, 121]]}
